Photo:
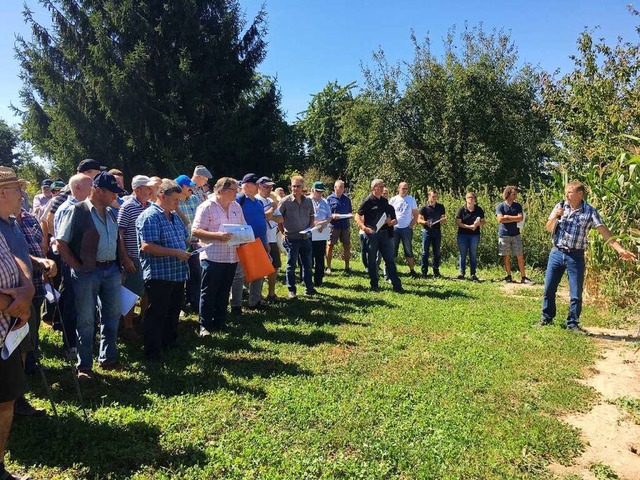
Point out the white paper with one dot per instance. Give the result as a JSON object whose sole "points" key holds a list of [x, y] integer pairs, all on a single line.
{"points": [[241, 233], [344, 216], [477, 221], [521, 224], [14, 337], [315, 228], [128, 299], [51, 294], [317, 235], [437, 221], [201, 249], [381, 222]]}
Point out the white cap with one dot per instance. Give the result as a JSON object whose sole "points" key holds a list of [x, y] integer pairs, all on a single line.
{"points": [[141, 181]]}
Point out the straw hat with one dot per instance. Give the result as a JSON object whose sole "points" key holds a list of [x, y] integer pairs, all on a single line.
{"points": [[8, 177]]}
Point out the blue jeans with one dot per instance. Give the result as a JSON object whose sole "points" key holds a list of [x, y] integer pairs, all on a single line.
{"points": [[103, 283], [431, 239], [404, 235], [468, 243], [216, 281], [558, 262], [294, 249], [380, 242]]}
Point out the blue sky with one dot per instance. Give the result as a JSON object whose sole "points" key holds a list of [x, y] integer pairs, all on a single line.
{"points": [[312, 42]]}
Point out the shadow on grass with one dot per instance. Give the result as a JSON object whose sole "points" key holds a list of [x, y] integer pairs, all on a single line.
{"points": [[615, 338], [100, 450]]}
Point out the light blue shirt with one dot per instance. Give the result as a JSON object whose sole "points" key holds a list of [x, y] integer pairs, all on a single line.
{"points": [[58, 215]]}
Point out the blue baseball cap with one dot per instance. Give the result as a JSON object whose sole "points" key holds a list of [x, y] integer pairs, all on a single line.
{"points": [[185, 181], [108, 181]]}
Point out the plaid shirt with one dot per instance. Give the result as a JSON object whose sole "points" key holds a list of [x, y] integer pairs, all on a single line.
{"points": [[210, 216], [33, 234], [154, 227], [9, 278], [188, 208], [572, 229]]}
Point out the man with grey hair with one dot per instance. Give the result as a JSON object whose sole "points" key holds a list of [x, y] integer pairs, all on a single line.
{"points": [[369, 214]]}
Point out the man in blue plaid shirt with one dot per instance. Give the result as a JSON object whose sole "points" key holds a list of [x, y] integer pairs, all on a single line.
{"points": [[570, 222], [163, 255]]}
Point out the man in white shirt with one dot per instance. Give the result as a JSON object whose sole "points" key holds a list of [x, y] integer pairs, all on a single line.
{"points": [[407, 216], [265, 185]]}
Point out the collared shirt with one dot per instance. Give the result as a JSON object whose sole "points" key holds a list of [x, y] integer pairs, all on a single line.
{"points": [[153, 226], [9, 278], [253, 211], [189, 207], [371, 211], [341, 205], [15, 239], [272, 226], [210, 216], [60, 212], [107, 231], [321, 209], [39, 202], [127, 216], [404, 207], [572, 229], [33, 235], [296, 216]]}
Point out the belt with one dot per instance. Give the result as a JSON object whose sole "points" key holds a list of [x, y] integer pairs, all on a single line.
{"points": [[105, 264], [570, 250]]}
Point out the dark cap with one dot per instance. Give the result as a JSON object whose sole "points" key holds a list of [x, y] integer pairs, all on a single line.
{"points": [[108, 181], [46, 182], [318, 186], [90, 164], [57, 185], [265, 181], [250, 178]]}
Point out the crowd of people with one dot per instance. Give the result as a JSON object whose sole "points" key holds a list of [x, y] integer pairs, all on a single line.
{"points": [[169, 242]]}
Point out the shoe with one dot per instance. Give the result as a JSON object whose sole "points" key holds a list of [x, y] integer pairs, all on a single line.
{"points": [[348, 270], [85, 375], [113, 366], [375, 289], [327, 271], [399, 290], [311, 292], [273, 299], [23, 408], [577, 329], [460, 277], [437, 275], [203, 332], [292, 295], [527, 281], [236, 310], [507, 279], [474, 278], [261, 305], [414, 274], [544, 323]]}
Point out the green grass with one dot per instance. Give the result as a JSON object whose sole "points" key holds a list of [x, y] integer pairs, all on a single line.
{"points": [[449, 381]]}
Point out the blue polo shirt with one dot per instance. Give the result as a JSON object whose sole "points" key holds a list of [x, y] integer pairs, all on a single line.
{"points": [[253, 211], [340, 205]]}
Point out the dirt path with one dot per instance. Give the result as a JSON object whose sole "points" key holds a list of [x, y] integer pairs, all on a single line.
{"points": [[611, 437]]}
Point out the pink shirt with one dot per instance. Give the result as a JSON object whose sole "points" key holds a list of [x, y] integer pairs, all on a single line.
{"points": [[210, 216]]}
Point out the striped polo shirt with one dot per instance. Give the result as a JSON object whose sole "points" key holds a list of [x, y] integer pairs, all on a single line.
{"points": [[127, 216]]}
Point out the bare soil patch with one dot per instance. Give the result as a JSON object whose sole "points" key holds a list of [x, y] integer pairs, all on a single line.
{"points": [[611, 437]]}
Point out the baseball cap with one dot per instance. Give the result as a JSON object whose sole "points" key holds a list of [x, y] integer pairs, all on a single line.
{"points": [[265, 181], [250, 178], [108, 181], [58, 185], [185, 181], [89, 164], [141, 181], [202, 171], [318, 186], [46, 182]]}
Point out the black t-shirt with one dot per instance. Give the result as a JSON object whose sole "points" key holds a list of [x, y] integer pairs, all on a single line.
{"points": [[468, 218], [372, 209], [432, 213]]}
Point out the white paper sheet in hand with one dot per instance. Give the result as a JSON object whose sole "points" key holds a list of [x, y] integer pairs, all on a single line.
{"points": [[381, 222], [521, 224], [344, 216], [317, 235], [14, 337], [128, 299], [241, 233]]}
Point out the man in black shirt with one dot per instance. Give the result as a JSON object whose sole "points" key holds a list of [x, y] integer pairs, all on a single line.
{"points": [[369, 214], [431, 216]]}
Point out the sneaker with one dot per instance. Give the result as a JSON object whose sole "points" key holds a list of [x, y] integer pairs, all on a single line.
{"points": [[113, 366], [526, 281], [261, 305], [292, 295], [460, 277], [474, 278], [236, 310], [23, 408], [327, 271], [399, 290], [507, 279], [577, 329], [85, 375], [311, 292], [544, 323]]}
